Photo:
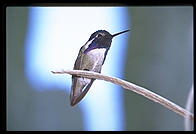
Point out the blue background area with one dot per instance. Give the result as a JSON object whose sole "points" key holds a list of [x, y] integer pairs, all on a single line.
{"points": [[54, 37]]}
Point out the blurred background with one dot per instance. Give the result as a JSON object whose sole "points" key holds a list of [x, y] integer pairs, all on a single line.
{"points": [[156, 54]]}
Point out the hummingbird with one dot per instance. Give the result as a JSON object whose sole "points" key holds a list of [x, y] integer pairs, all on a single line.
{"points": [[91, 57]]}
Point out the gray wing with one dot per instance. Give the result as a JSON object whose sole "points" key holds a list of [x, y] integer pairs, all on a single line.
{"points": [[79, 88]]}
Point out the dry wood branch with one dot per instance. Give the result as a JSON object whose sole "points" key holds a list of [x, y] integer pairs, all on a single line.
{"points": [[189, 106], [130, 86]]}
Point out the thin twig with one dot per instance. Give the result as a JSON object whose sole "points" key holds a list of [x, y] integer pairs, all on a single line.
{"points": [[130, 86], [189, 107]]}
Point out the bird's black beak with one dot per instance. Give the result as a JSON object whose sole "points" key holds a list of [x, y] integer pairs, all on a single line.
{"points": [[120, 33]]}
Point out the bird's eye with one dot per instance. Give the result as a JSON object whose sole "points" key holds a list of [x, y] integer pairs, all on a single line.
{"points": [[99, 35]]}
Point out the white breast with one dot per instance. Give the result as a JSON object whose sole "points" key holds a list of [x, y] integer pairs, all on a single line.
{"points": [[95, 59], [97, 54]]}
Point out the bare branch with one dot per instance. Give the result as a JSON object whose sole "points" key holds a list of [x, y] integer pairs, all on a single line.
{"points": [[130, 86], [189, 106]]}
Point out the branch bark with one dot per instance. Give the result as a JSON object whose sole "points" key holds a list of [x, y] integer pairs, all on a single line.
{"points": [[189, 106], [130, 86]]}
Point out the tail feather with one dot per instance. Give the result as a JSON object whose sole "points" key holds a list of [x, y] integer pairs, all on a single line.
{"points": [[76, 98]]}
